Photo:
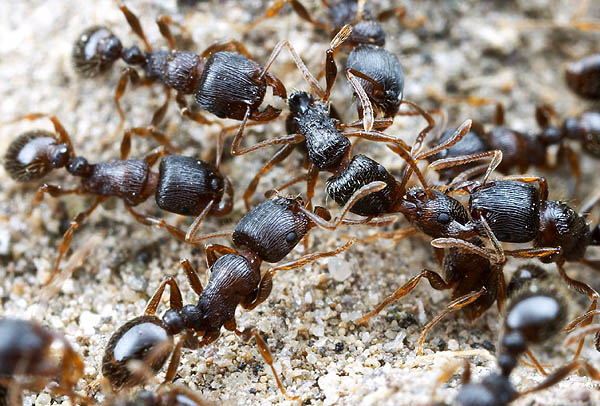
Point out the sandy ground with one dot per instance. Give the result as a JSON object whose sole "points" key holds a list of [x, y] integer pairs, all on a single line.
{"points": [[464, 48]]}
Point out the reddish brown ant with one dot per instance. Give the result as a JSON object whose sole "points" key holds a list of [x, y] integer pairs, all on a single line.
{"points": [[183, 185], [267, 233]]}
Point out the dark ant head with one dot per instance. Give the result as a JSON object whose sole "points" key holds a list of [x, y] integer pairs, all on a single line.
{"points": [[33, 154], [272, 229], [186, 185], [300, 102], [493, 390], [144, 339], [96, 49], [440, 216]]}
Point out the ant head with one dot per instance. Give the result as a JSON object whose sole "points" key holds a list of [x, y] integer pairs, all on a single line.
{"points": [[300, 102], [437, 216], [33, 154], [494, 390], [272, 229], [96, 49], [144, 339]]}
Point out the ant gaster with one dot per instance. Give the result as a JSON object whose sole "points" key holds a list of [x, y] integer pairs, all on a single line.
{"points": [[183, 185], [227, 84], [267, 233], [27, 361], [583, 77]]}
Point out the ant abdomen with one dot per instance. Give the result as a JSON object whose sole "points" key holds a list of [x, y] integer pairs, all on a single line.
{"points": [[129, 179], [33, 154], [186, 185], [385, 89], [230, 83], [361, 171], [144, 339], [95, 51], [561, 226], [271, 229], [510, 208]]}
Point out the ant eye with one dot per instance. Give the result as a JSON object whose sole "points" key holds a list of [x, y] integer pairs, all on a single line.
{"points": [[291, 237], [443, 218]]}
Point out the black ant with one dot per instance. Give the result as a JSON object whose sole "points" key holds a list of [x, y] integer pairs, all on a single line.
{"points": [[327, 148], [28, 361], [583, 77], [267, 233], [533, 317], [378, 71], [227, 84], [183, 185]]}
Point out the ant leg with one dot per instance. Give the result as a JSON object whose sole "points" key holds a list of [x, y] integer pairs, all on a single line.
{"points": [[541, 181], [318, 220], [264, 290], [156, 222], [54, 191], [279, 156], [307, 259], [560, 374], [583, 289], [154, 155], [458, 135], [286, 139], [174, 362], [468, 247], [299, 63], [263, 348], [163, 23], [495, 157], [213, 249], [400, 14], [135, 25], [331, 67], [133, 76], [293, 181], [536, 363], [226, 46], [161, 138], [159, 114], [313, 173], [435, 280], [298, 8], [365, 103], [175, 298], [68, 236], [574, 166], [456, 304], [193, 229], [184, 110], [192, 276]]}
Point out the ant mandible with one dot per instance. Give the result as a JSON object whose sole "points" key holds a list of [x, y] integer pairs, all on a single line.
{"points": [[183, 185]]}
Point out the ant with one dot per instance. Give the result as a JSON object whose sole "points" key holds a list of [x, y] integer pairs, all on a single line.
{"points": [[583, 77], [28, 360], [378, 71], [310, 123], [183, 185], [533, 317], [227, 84], [267, 233]]}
